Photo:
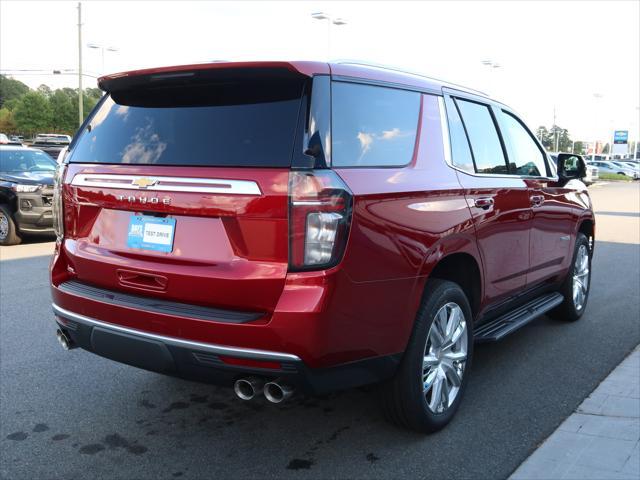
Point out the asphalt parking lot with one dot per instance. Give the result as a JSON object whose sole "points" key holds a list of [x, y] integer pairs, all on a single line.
{"points": [[75, 415]]}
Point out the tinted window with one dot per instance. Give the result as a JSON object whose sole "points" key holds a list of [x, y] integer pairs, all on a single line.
{"points": [[460, 151], [237, 123], [20, 160], [483, 137], [373, 126], [525, 157]]}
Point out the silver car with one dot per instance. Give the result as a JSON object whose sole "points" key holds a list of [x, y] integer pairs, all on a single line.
{"points": [[616, 168]]}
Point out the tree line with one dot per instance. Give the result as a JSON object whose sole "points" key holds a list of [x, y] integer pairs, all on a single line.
{"points": [[24, 111], [548, 136]]}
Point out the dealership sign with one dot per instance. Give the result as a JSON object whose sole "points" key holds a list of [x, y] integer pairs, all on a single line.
{"points": [[620, 140], [620, 136]]}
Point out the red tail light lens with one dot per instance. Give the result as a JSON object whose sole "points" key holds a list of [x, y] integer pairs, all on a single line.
{"points": [[319, 218]]}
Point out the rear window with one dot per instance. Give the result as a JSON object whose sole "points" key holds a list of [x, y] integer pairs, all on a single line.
{"points": [[373, 126], [241, 123]]}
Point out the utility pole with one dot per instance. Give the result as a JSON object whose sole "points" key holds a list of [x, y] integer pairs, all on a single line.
{"points": [[80, 112], [555, 128]]}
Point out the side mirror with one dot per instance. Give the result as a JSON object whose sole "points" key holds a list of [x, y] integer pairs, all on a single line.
{"points": [[571, 166]]}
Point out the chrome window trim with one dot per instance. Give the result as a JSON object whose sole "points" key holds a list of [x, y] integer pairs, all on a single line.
{"points": [[446, 142], [178, 342], [183, 184]]}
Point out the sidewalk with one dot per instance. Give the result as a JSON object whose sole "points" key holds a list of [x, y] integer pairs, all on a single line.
{"points": [[601, 439]]}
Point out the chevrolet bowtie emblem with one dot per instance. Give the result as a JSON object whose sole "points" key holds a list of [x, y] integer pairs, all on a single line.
{"points": [[143, 182]]}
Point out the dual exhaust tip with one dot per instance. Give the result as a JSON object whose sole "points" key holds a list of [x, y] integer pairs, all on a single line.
{"points": [[276, 391], [64, 340]]}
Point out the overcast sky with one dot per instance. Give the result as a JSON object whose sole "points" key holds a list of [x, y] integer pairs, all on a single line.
{"points": [[551, 53]]}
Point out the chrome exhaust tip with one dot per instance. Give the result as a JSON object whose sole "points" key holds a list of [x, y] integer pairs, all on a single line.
{"points": [[247, 388], [277, 392], [64, 340]]}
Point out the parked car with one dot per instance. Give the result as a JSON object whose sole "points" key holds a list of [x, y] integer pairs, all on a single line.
{"points": [[51, 143], [283, 226], [614, 168], [3, 139], [591, 170], [26, 193], [631, 165]]}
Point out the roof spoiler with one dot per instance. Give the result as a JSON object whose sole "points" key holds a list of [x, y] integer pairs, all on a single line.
{"points": [[214, 71]]}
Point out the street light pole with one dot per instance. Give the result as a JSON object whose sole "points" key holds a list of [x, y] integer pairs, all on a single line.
{"points": [[492, 67], [102, 49], [555, 129], [595, 141], [330, 20], [80, 91]]}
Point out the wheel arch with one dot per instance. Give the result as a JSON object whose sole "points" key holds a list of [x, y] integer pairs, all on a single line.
{"points": [[464, 270], [587, 226], [455, 258], [9, 199]]}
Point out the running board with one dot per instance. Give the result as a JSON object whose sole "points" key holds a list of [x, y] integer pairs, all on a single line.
{"points": [[510, 322]]}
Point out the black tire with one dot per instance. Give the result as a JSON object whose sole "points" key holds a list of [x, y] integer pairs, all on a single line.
{"points": [[10, 237], [567, 310], [403, 399]]}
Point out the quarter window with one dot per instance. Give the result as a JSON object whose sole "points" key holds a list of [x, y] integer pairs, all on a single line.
{"points": [[373, 126], [483, 136], [525, 158]]}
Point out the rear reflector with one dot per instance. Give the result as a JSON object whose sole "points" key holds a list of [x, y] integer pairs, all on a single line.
{"points": [[247, 362]]}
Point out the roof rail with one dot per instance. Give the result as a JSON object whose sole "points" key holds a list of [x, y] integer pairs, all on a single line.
{"points": [[408, 72]]}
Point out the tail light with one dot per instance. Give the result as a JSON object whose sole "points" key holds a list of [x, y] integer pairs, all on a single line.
{"points": [[319, 218], [57, 209]]}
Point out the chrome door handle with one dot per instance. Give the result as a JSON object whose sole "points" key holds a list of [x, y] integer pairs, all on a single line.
{"points": [[536, 200], [484, 202]]}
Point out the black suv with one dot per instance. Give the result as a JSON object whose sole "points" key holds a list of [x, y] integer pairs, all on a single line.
{"points": [[51, 143], [26, 191]]}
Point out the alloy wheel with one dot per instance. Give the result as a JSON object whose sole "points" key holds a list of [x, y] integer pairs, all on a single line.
{"points": [[4, 226], [581, 277], [445, 356]]}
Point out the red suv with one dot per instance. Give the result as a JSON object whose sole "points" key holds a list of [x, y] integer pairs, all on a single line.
{"points": [[296, 225]]}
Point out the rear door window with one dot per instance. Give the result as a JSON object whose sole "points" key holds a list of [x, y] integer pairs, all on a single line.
{"points": [[525, 157], [460, 149], [373, 126], [483, 137], [243, 123]]}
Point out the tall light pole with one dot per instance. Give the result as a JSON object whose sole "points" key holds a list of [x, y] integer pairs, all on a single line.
{"points": [[102, 49], [330, 21], [633, 127], [555, 129], [80, 91], [491, 65], [597, 96]]}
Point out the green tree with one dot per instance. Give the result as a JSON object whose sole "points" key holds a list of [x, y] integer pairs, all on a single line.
{"points": [[64, 118], [87, 105], [561, 136], [11, 104], [33, 113], [45, 90], [11, 89], [7, 124], [94, 93], [578, 148], [605, 149], [544, 136]]}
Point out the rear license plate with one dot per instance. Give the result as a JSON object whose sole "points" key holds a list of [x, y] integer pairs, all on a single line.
{"points": [[151, 233]]}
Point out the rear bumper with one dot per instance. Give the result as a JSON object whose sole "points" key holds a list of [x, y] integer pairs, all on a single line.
{"points": [[214, 363]]}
